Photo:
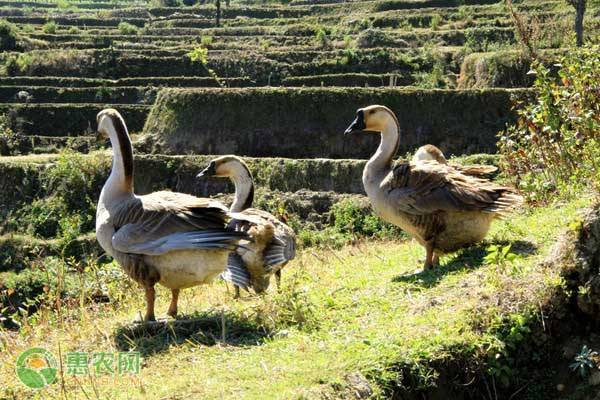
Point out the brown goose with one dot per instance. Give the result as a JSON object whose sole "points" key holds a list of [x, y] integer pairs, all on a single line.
{"points": [[441, 207], [430, 152], [173, 239], [281, 245]]}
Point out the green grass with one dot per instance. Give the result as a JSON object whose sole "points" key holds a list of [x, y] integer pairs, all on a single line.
{"points": [[360, 309]]}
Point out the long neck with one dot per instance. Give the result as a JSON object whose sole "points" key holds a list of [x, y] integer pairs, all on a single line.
{"points": [[381, 161], [244, 189], [120, 180]]}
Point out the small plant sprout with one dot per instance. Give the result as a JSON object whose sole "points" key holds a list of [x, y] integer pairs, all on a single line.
{"points": [[500, 255], [584, 361]]}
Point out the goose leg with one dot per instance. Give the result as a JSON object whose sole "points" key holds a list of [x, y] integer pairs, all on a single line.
{"points": [[173, 306], [150, 296], [237, 292], [436, 259], [278, 278], [428, 256]]}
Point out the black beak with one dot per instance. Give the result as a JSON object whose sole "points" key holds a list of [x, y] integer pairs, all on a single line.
{"points": [[358, 124], [208, 171]]}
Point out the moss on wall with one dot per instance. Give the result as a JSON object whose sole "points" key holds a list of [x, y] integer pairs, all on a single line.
{"points": [[67, 119], [309, 122]]}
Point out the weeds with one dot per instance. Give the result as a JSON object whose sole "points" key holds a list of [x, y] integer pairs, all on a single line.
{"points": [[584, 362], [553, 147]]}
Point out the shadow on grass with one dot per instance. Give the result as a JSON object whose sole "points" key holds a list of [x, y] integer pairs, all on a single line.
{"points": [[203, 328], [467, 259]]}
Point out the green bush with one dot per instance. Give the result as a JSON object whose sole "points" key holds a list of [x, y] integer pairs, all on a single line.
{"points": [[373, 38], [50, 27], [8, 36], [322, 39], [8, 138], [59, 214], [128, 29], [199, 54], [435, 22], [553, 148], [358, 220]]}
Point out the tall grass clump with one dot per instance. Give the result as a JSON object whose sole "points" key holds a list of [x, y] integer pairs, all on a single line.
{"points": [[553, 148]]}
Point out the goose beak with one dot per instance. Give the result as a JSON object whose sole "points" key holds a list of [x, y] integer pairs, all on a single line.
{"points": [[207, 172], [357, 125]]}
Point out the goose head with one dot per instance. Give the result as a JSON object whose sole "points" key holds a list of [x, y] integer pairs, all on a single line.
{"points": [[429, 152], [225, 167], [109, 122], [371, 119]]}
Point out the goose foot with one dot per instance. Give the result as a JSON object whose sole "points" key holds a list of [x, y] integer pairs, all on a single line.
{"points": [[150, 296], [430, 259], [172, 312]]}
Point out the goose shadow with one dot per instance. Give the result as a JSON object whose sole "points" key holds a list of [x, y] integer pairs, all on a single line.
{"points": [[206, 328], [470, 258]]}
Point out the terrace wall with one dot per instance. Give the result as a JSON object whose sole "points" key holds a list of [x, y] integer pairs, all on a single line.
{"points": [[309, 122]]}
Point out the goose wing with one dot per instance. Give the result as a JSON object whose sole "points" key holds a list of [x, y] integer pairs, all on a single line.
{"points": [[475, 169], [428, 187], [165, 221], [282, 248]]}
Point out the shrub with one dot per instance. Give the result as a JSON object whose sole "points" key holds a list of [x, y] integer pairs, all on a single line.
{"points": [[50, 27], [436, 20], [128, 29], [373, 38], [358, 220], [206, 40], [8, 36], [8, 138], [199, 54], [553, 148], [322, 39]]}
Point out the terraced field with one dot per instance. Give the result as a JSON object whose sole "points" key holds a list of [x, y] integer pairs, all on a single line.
{"points": [[69, 57], [277, 84]]}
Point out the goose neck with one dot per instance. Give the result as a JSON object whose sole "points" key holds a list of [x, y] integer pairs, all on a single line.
{"points": [[120, 180], [381, 161], [244, 190]]}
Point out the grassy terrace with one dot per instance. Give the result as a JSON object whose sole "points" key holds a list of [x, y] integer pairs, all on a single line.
{"points": [[361, 309]]}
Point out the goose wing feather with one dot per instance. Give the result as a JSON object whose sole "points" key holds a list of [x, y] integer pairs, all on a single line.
{"points": [[429, 187], [282, 247], [165, 221], [476, 169], [236, 271]]}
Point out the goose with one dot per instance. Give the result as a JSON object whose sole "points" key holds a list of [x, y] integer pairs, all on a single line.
{"points": [[170, 238], [441, 207], [430, 152], [281, 247]]}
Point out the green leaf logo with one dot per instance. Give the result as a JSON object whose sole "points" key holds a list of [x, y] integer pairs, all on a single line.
{"points": [[36, 368]]}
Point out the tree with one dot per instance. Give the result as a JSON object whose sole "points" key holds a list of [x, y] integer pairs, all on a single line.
{"points": [[218, 4], [579, 6]]}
